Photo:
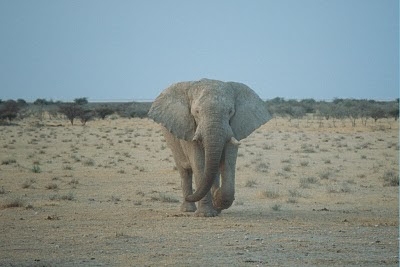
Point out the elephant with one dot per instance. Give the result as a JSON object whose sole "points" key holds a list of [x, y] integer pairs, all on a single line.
{"points": [[203, 122]]}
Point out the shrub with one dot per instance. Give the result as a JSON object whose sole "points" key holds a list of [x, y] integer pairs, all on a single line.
{"points": [[85, 115], [269, 193], [52, 186], [103, 112], [89, 162], [9, 110], [377, 113], [294, 193], [325, 174], [250, 183], [164, 197], [305, 182], [287, 168], [277, 207], [14, 203], [307, 148], [71, 111], [40, 102], [304, 163], [81, 101], [8, 161], [36, 168], [262, 167], [390, 178], [69, 196], [133, 110]]}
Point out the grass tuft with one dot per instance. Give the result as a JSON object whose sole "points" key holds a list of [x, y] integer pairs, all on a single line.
{"points": [[269, 193], [164, 197], [262, 167], [69, 196], [250, 183], [8, 161], [36, 168], [277, 207], [89, 162], [52, 186], [14, 203], [305, 182], [390, 178]]}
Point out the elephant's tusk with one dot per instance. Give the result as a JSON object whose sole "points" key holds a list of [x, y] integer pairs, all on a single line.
{"points": [[234, 142], [196, 137]]}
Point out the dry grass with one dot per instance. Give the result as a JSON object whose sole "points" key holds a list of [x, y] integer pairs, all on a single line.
{"points": [[294, 181], [391, 178], [16, 202], [269, 193]]}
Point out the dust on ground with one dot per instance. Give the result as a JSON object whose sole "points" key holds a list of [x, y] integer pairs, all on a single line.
{"points": [[107, 194]]}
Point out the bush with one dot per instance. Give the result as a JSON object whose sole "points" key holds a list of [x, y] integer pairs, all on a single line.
{"points": [[81, 101], [103, 112], [86, 115], [71, 111], [393, 112], [9, 110], [353, 109], [134, 110], [21, 102], [390, 178], [41, 102], [377, 113]]}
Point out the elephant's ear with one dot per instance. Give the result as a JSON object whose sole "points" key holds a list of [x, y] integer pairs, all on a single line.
{"points": [[172, 110], [250, 111]]}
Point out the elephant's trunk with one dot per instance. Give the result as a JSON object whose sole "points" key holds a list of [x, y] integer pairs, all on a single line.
{"points": [[214, 140]]}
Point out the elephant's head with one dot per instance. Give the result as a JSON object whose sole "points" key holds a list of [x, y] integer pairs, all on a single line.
{"points": [[214, 113]]}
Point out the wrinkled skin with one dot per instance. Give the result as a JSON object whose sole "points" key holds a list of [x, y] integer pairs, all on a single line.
{"points": [[202, 123]]}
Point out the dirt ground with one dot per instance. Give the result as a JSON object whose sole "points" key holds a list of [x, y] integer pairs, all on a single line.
{"points": [[107, 194]]}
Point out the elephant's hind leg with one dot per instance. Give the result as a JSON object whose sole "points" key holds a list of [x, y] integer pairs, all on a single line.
{"points": [[186, 183]]}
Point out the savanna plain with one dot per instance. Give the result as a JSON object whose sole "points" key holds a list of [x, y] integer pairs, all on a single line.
{"points": [[308, 193]]}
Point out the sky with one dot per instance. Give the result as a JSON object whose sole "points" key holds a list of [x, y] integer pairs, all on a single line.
{"points": [[132, 50]]}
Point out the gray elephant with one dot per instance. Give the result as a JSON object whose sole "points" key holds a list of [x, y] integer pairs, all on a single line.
{"points": [[202, 123]]}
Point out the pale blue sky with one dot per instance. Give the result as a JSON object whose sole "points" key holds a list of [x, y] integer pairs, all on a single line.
{"points": [[111, 50]]}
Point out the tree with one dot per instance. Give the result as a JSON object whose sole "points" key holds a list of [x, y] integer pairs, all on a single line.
{"points": [[71, 111], [21, 102], [9, 110], [394, 112], [104, 111], [338, 100], [86, 115], [377, 113], [81, 101], [40, 101], [308, 105]]}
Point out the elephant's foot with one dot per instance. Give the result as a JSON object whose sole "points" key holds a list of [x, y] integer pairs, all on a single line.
{"points": [[220, 201], [206, 211], [188, 207]]}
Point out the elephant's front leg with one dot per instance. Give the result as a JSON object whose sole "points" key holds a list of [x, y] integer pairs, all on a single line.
{"points": [[224, 196], [186, 183], [204, 206]]}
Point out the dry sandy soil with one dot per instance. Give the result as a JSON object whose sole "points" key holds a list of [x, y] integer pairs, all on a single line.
{"points": [[107, 194]]}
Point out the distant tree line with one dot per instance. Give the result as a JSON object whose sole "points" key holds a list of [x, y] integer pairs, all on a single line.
{"points": [[338, 109], [80, 109]]}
